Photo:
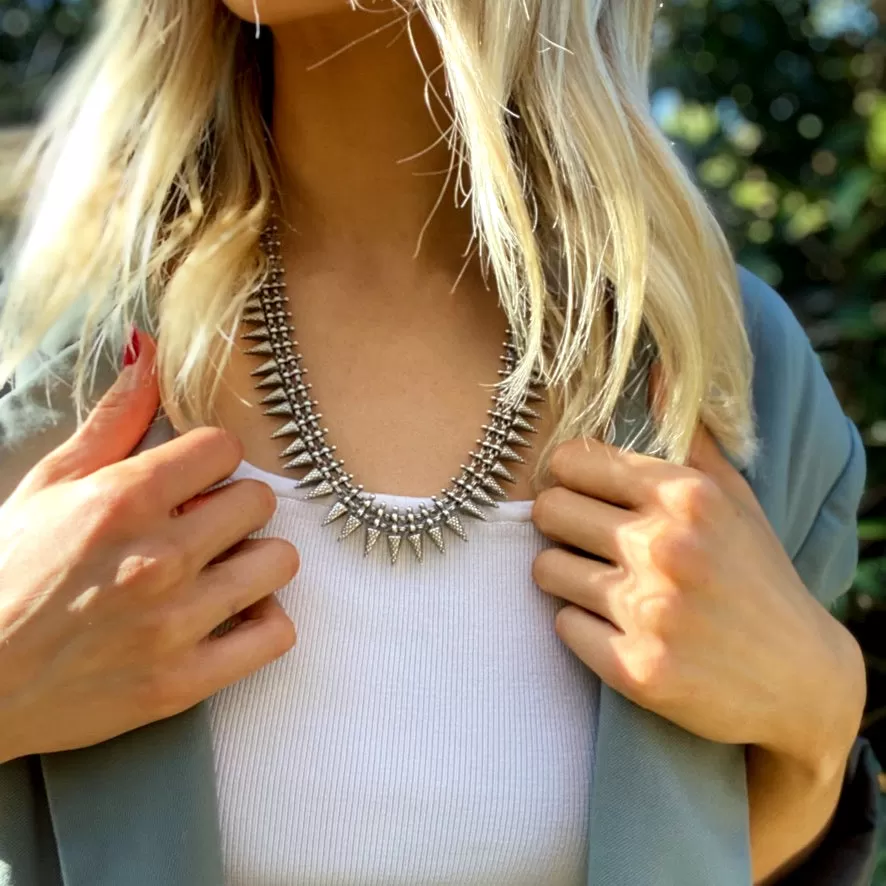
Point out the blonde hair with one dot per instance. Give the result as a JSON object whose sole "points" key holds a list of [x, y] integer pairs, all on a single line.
{"points": [[152, 177]]}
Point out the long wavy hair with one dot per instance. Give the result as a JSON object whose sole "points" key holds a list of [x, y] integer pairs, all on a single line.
{"points": [[152, 174]]}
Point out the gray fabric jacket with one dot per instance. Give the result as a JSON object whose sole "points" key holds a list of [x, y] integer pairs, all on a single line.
{"points": [[667, 807]]}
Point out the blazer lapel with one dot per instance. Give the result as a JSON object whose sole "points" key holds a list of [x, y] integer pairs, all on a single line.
{"points": [[139, 810], [666, 806]]}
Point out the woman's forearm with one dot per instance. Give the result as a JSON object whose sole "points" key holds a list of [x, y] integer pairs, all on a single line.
{"points": [[791, 808], [794, 784]]}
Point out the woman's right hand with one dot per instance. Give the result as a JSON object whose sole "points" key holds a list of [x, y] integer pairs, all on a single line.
{"points": [[114, 571]]}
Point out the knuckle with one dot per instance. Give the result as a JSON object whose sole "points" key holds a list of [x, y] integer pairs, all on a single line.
{"points": [[662, 613], [647, 669], [676, 552], [47, 471], [695, 498], [156, 567]]}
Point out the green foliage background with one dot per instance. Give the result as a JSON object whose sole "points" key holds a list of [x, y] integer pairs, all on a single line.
{"points": [[779, 108]]}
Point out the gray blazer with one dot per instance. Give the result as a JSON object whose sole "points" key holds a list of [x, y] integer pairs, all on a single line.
{"points": [[667, 807]]}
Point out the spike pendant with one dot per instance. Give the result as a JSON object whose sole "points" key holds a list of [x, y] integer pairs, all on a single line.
{"points": [[282, 389]]}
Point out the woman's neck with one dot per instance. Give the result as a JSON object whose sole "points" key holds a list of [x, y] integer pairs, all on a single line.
{"points": [[363, 164]]}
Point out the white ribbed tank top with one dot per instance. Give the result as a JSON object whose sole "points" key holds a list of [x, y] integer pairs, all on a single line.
{"points": [[429, 727]]}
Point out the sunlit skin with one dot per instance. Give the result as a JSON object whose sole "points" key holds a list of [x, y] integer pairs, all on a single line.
{"points": [[277, 12], [687, 606]]}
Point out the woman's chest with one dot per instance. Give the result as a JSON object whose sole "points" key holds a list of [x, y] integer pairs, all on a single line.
{"points": [[404, 399], [428, 726]]}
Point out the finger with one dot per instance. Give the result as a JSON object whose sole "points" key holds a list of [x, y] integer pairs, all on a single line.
{"points": [[257, 569], [188, 465], [112, 429], [265, 633], [705, 455], [594, 640], [605, 472], [580, 521], [223, 517], [580, 580]]}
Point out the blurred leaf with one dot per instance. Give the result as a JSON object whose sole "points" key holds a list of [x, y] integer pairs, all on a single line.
{"points": [[850, 196], [872, 530], [870, 578]]}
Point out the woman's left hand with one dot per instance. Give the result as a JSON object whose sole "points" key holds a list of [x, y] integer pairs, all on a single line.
{"points": [[689, 605]]}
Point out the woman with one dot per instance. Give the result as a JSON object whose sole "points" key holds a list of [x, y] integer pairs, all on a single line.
{"points": [[623, 677]]}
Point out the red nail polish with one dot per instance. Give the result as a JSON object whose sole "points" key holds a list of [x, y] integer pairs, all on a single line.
{"points": [[130, 355]]}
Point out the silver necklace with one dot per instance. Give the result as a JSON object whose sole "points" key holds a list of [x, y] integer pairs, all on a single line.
{"points": [[286, 395]]}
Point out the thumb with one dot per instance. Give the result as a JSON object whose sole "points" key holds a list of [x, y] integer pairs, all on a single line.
{"points": [[117, 422]]}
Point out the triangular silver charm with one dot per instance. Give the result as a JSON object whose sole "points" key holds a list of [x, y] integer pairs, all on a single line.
{"points": [[336, 511], [314, 476], [262, 349], [454, 524], [279, 409], [352, 524], [508, 454], [266, 367], [481, 495], [415, 541], [501, 471], [528, 412], [300, 461], [253, 302], [324, 489], [372, 536], [470, 508], [278, 395], [273, 378], [534, 396], [287, 430], [260, 334], [491, 484], [516, 439], [521, 423], [254, 316], [394, 542], [294, 448], [436, 536]]}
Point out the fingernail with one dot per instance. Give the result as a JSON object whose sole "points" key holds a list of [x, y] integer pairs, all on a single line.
{"points": [[133, 348]]}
